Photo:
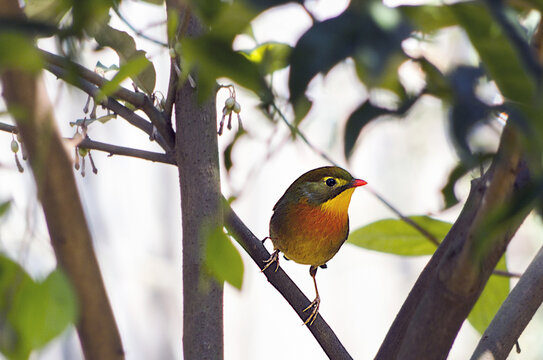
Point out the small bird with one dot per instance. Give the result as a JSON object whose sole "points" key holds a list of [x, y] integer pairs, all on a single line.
{"points": [[310, 221]]}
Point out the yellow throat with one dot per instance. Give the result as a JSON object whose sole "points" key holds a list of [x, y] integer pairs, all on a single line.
{"points": [[338, 204]]}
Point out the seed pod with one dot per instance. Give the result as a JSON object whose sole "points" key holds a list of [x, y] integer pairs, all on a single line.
{"points": [[83, 152], [230, 102], [14, 146], [236, 107]]}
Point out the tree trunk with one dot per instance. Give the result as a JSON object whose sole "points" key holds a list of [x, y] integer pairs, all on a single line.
{"points": [[57, 191], [198, 162]]}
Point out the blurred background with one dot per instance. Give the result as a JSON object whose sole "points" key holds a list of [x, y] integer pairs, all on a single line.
{"points": [[132, 205]]}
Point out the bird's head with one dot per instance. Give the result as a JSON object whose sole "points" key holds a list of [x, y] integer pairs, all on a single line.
{"points": [[329, 187]]}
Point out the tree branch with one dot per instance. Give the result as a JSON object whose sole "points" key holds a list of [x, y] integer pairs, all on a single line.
{"points": [[110, 103], [87, 143], [514, 315], [322, 332], [452, 281], [66, 70]]}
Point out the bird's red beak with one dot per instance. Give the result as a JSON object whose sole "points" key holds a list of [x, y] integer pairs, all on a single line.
{"points": [[358, 182]]}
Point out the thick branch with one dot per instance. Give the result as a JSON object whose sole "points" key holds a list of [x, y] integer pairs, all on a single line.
{"points": [[68, 229], [322, 332], [514, 315], [455, 276]]}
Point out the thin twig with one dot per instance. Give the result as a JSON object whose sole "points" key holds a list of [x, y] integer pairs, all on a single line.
{"points": [[296, 131], [136, 31], [506, 274], [87, 143], [172, 90], [8, 128], [407, 220]]}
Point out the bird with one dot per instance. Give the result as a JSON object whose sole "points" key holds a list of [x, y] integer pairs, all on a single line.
{"points": [[310, 222]]}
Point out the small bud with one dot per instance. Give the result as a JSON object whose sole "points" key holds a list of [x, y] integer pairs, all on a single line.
{"points": [[236, 107], [83, 152], [230, 102], [226, 111], [14, 146]]}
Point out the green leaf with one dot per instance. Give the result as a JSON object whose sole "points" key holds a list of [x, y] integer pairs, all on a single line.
{"points": [[499, 56], [172, 25], [492, 297], [45, 310], [371, 34], [130, 69], [356, 122], [429, 18], [102, 67], [32, 313], [436, 82], [214, 58], [225, 19], [368, 112], [4, 207], [50, 11], [395, 236], [125, 47], [102, 119], [270, 56], [222, 259], [19, 52]]}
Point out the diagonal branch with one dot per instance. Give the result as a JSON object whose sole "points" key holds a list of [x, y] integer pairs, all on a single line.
{"points": [[66, 70], [514, 315], [322, 332], [110, 103]]}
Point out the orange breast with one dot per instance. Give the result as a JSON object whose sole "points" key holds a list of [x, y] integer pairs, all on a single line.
{"points": [[309, 234]]}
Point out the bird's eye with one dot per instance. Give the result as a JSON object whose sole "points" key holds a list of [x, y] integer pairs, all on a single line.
{"points": [[331, 182]]}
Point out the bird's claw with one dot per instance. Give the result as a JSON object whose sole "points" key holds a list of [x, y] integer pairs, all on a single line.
{"points": [[315, 305], [273, 258]]}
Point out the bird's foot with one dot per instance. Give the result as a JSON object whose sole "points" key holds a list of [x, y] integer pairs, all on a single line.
{"points": [[274, 258], [315, 306], [264, 240]]}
